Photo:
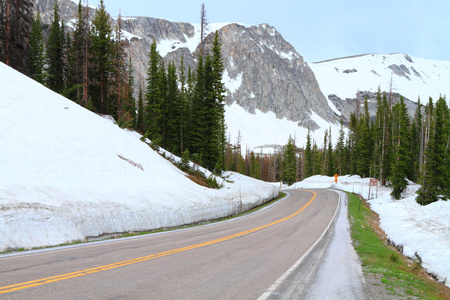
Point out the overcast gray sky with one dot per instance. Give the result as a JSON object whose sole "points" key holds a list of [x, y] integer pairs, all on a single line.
{"points": [[321, 29]]}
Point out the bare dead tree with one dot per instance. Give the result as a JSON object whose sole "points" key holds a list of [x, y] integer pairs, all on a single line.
{"points": [[204, 28]]}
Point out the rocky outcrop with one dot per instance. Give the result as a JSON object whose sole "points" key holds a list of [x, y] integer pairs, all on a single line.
{"points": [[262, 70], [266, 73], [356, 105]]}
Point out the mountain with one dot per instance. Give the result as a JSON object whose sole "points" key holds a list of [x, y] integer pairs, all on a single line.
{"points": [[347, 81], [271, 92], [263, 72]]}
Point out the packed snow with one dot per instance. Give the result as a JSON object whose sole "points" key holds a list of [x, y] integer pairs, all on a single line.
{"points": [[411, 77], [421, 229], [67, 174], [264, 132]]}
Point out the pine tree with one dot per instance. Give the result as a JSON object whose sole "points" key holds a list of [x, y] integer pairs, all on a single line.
{"points": [[16, 19], [183, 105], [140, 125], [218, 91], [401, 149], [152, 97], [289, 163], [55, 51], [331, 161], [198, 112], [364, 145], [80, 55], [340, 152], [2, 30], [164, 105], [309, 159], [101, 49], [36, 56], [428, 192], [174, 110], [416, 144], [441, 147]]}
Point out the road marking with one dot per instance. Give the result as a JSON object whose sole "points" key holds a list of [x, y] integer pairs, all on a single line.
{"points": [[266, 295], [33, 283]]}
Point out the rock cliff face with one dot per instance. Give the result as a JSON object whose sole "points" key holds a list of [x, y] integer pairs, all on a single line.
{"points": [[262, 70]]}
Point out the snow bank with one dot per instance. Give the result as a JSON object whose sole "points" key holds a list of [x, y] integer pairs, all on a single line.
{"points": [[67, 174], [421, 229]]}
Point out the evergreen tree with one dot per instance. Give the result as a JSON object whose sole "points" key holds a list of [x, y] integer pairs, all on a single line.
{"points": [[331, 162], [416, 144], [219, 102], [174, 111], [309, 159], [183, 106], [36, 58], [428, 191], [441, 148], [2, 30], [198, 113], [80, 56], [364, 145], [164, 105], [101, 49], [16, 17], [140, 125], [289, 163], [55, 53], [340, 152], [152, 96], [401, 149]]}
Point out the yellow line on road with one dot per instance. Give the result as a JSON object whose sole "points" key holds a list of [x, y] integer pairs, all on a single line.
{"points": [[29, 284]]}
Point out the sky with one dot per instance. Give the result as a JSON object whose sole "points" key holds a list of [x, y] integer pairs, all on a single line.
{"points": [[321, 29]]}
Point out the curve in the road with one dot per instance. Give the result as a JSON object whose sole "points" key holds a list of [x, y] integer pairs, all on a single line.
{"points": [[33, 283]]}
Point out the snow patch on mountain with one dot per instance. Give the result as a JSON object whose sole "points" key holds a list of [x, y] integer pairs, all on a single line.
{"points": [[410, 76], [167, 46], [232, 84], [265, 133]]}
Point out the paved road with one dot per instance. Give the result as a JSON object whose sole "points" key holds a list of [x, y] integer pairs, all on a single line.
{"points": [[238, 259]]}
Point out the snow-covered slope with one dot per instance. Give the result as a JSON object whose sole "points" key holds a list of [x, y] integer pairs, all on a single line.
{"points": [[265, 133], [421, 229], [67, 174], [411, 77]]}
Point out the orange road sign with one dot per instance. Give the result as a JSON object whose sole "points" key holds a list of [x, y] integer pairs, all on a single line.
{"points": [[336, 178]]}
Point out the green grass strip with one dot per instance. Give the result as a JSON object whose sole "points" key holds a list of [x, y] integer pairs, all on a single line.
{"points": [[403, 278]]}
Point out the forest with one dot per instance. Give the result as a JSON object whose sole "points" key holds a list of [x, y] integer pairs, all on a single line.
{"points": [[182, 110]]}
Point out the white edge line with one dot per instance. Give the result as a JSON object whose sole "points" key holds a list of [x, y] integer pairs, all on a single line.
{"points": [[283, 277]]}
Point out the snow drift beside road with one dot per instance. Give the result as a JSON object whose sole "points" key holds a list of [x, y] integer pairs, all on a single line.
{"points": [[421, 229], [67, 174]]}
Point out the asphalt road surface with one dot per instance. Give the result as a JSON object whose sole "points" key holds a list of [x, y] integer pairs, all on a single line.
{"points": [[237, 259]]}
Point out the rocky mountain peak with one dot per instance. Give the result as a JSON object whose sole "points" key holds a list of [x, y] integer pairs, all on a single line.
{"points": [[262, 70]]}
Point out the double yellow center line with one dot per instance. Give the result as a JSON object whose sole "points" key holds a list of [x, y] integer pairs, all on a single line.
{"points": [[29, 284]]}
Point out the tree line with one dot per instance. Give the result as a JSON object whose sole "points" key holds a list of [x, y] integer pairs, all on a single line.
{"points": [[391, 147], [178, 109]]}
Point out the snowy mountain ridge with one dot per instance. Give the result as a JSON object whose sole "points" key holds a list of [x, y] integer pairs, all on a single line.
{"points": [[409, 76]]}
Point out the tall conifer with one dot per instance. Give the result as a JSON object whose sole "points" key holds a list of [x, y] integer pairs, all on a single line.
{"points": [[36, 60], [55, 53]]}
